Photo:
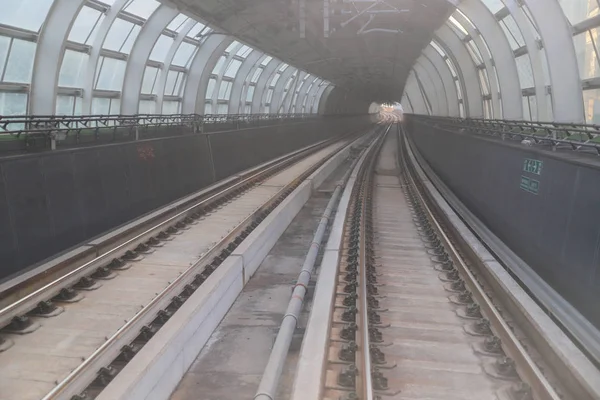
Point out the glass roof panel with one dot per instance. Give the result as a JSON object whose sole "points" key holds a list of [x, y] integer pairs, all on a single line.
{"points": [[112, 72], [494, 5], [4, 45], [24, 14], [525, 71], [512, 32], [256, 75], [233, 45], [219, 66], [141, 8], [20, 62], [275, 79], [579, 10], [161, 48], [196, 30], [183, 55], [117, 34], [85, 23], [177, 23], [126, 48], [244, 51], [266, 61], [457, 27], [210, 88], [72, 70], [283, 67], [438, 48], [233, 68]]}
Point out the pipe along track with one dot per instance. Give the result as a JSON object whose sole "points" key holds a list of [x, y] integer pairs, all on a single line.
{"points": [[411, 318], [94, 371]]}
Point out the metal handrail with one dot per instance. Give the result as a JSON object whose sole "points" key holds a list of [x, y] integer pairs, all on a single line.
{"points": [[577, 137], [51, 124]]}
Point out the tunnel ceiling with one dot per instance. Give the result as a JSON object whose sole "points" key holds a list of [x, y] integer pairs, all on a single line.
{"points": [[371, 44]]}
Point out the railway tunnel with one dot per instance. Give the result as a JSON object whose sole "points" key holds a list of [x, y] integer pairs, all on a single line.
{"points": [[299, 199]]}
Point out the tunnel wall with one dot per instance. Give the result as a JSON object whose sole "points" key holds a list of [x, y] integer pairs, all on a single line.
{"points": [[52, 201], [555, 229]]}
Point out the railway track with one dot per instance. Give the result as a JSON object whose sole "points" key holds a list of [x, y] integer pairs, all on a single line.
{"points": [[78, 325], [412, 316]]}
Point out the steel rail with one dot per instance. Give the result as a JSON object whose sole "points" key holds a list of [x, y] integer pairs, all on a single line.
{"points": [[526, 366], [51, 289], [85, 373], [365, 391]]}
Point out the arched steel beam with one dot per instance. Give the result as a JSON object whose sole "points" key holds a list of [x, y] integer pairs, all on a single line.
{"points": [[88, 88], [443, 71], [236, 101], [138, 58], [556, 34], [416, 97], [535, 57], [467, 73], [164, 72], [508, 78], [262, 86], [278, 93], [49, 54], [424, 65], [200, 69]]}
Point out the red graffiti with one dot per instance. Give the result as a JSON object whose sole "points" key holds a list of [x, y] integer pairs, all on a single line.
{"points": [[145, 152]]}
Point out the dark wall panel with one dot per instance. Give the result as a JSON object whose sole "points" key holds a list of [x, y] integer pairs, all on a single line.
{"points": [[52, 201], [556, 230]]}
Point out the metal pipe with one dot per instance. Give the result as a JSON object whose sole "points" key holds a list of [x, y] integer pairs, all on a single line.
{"points": [[270, 379]]}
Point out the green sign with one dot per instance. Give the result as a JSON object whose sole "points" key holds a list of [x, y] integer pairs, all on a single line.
{"points": [[533, 166], [530, 185]]}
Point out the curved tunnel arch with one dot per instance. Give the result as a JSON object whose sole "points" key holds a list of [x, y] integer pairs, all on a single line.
{"points": [[506, 59]]}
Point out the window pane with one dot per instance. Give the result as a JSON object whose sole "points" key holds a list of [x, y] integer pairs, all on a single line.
{"points": [[233, 45], [207, 108], [437, 48], [250, 93], [100, 106], [170, 88], [225, 90], [13, 103], [128, 45], [4, 45], [494, 5], [184, 54], [269, 96], [266, 61], [72, 70], [525, 71], [579, 10], [217, 69], [177, 24], [586, 53], [65, 105], [283, 67], [223, 109], [244, 51], [115, 106], [526, 112], [474, 52], [117, 34], [256, 75], [171, 107], [591, 103], [111, 74], [457, 27], [149, 79], [24, 14], [142, 8], [512, 32], [275, 79], [147, 107], [161, 48], [84, 24], [210, 88], [233, 68], [248, 109], [195, 30], [20, 62]]}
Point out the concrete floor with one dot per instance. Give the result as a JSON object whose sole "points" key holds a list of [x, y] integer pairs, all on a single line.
{"points": [[232, 363]]}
